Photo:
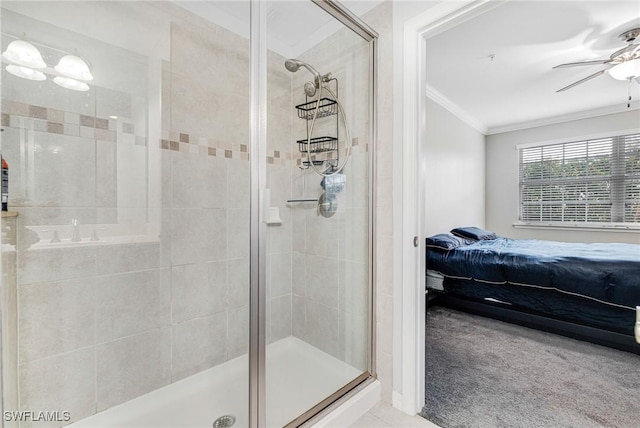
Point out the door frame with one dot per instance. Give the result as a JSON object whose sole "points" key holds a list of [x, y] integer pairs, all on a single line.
{"points": [[409, 390]]}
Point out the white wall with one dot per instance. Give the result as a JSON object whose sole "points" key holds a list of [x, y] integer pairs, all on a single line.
{"points": [[455, 164], [502, 175]]}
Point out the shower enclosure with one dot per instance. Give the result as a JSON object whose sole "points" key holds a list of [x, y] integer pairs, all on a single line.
{"points": [[189, 234]]}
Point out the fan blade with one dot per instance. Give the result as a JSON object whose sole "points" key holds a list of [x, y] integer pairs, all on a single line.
{"points": [[582, 80], [573, 64]]}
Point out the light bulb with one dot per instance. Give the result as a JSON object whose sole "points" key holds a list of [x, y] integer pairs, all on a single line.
{"points": [[72, 84], [25, 72], [74, 67], [626, 70], [24, 54]]}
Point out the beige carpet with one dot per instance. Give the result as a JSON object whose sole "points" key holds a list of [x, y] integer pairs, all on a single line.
{"points": [[486, 373]]}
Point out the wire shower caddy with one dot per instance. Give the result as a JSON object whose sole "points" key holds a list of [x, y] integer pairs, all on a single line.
{"points": [[324, 144]]}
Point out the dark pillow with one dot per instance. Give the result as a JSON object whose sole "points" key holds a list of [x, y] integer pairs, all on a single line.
{"points": [[446, 241], [473, 233]]}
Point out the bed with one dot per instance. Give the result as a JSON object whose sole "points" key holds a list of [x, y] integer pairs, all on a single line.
{"points": [[587, 291]]}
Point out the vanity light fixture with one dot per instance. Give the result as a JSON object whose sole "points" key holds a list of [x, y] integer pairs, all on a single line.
{"points": [[23, 53], [26, 62]]}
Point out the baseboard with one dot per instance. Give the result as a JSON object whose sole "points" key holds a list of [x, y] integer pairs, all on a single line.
{"points": [[353, 408], [396, 400]]}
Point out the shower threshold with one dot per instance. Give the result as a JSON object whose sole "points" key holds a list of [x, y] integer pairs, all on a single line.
{"points": [[298, 377]]}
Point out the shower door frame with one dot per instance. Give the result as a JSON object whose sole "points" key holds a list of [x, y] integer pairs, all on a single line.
{"points": [[259, 205]]}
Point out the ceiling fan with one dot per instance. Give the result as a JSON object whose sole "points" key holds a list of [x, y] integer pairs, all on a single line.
{"points": [[624, 63]]}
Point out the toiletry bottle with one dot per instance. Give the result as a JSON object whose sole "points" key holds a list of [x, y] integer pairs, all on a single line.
{"points": [[5, 185]]}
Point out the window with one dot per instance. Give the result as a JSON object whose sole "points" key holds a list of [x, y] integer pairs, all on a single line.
{"points": [[594, 181]]}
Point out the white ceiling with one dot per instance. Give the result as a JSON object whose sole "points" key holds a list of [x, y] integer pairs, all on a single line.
{"points": [[517, 89]]}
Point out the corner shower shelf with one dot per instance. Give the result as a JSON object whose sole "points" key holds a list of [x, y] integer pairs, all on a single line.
{"points": [[307, 110]]}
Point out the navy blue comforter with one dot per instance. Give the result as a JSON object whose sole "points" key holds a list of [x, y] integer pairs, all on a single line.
{"points": [[607, 272]]}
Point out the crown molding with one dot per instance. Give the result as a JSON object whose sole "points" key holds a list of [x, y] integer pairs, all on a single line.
{"points": [[602, 111], [453, 108], [463, 115]]}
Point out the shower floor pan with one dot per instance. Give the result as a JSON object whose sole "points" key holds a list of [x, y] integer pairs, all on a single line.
{"points": [[298, 377]]}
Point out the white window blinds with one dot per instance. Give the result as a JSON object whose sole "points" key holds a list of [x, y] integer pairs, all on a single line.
{"points": [[594, 181]]}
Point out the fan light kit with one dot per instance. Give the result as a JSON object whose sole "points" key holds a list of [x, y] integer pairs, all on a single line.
{"points": [[626, 70], [26, 62], [624, 63]]}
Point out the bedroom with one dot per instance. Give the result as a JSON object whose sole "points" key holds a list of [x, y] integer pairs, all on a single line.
{"points": [[497, 97], [507, 98]]}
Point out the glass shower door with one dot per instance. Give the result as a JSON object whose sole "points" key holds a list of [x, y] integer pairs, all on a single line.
{"points": [[130, 189], [318, 223]]}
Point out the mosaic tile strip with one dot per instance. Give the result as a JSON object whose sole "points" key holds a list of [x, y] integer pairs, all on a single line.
{"points": [[185, 142], [123, 131], [189, 143], [72, 130], [185, 147], [123, 125]]}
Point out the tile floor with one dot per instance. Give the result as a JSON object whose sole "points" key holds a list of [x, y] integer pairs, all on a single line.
{"points": [[383, 415]]}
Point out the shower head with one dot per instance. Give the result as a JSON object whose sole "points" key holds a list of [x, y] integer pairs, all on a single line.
{"points": [[294, 65]]}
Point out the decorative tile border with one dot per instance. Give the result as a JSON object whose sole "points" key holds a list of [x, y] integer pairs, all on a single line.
{"points": [[204, 146], [122, 131], [189, 143], [184, 142], [53, 121]]}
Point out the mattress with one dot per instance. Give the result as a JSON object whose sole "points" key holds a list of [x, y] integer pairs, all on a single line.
{"points": [[434, 280], [593, 284]]}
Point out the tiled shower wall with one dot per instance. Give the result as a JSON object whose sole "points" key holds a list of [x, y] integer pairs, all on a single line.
{"points": [[330, 260], [280, 158], [163, 292]]}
